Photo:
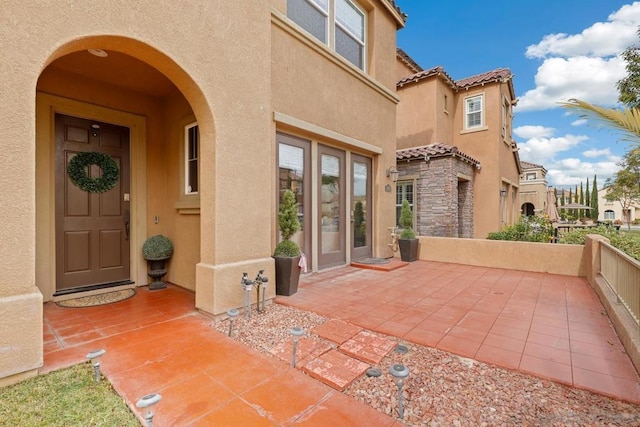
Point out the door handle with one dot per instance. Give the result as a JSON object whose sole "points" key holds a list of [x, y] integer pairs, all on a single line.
{"points": [[127, 219]]}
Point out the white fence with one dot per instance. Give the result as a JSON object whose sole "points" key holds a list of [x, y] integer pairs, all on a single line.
{"points": [[622, 273]]}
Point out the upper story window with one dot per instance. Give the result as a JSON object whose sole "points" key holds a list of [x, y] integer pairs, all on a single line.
{"points": [[473, 112], [530, 176], [346, 34], [191, 150]]}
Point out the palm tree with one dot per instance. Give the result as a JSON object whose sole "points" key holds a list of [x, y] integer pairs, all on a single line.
{"points": [[626, 120]]}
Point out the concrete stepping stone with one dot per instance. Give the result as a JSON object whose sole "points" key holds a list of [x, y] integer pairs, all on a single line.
{"points": [[367, 347], [336, 330], [335, 369]]}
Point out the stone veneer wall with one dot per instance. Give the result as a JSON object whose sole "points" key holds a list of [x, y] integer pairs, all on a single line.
{"points": [[438, 194]]}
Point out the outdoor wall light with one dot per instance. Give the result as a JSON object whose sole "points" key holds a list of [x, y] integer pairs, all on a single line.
{"points": [[147, 402], [94, 357], [232, 313], [297, 333], [392, 172], [399, 373], [503, 193]]}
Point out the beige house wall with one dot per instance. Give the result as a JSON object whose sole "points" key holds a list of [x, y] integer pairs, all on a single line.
{"points": [[320, 96], [498, 171], [553, 258], [237, 72], [422, 120]]}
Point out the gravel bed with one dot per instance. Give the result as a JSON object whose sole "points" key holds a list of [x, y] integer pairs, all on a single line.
{"points": [[447, 390]]}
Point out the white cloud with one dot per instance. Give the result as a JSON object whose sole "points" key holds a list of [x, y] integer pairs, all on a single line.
{"points": [[560, 79], [528, 131], [585, 65], [543, 150], [601, 39], [579, 122], [572, 171], [596, 153]]}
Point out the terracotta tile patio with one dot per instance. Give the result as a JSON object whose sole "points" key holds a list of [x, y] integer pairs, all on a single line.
{"points": [[157, 342], [546, 325]]}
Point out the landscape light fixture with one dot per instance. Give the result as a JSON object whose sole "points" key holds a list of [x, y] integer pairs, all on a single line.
{"points": [[232, 313], [392, 172], [94, 357], [399, 373], [297, 333], [147, 402]]}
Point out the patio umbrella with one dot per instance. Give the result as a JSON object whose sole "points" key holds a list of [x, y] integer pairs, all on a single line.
{"points": [[552, 210]]}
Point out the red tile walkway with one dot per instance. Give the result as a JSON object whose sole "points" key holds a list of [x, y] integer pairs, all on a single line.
{"points": [[157, 343], [548, 325]]}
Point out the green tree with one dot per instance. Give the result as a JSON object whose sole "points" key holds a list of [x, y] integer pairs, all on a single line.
{"points": [[406, 221], [289, 225], [587, 200], [625, 120], [623, 187], [595, 213], [629, 86]]}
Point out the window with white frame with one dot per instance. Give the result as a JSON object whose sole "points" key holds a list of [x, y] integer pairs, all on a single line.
{"points": [[473, 112], [404, 190], [191, 151], [530, 176], [346, 35], [609, 214]]}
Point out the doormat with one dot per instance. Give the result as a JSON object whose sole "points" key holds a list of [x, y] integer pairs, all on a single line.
{"points": [[99, 299], [380, 264], [371, 261]]}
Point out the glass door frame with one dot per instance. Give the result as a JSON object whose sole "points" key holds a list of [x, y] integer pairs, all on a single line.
{"points": [[336, 219], [366, 250]]}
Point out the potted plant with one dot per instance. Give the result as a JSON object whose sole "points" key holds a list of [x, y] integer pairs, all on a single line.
{"points": [[157, 250], [408, 243], [287, 252]]}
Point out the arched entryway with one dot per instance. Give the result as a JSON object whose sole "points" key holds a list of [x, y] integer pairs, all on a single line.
{"points": [[527, 209], [121, 97]]}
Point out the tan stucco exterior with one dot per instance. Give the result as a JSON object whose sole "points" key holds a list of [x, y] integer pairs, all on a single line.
{"points": [[533, 189], [432, 110], [243, 72]]}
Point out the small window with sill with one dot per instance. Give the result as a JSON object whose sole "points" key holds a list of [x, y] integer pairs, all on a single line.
{"points": [[346, 34], [530, 176], [473, 112], [191, 151]]}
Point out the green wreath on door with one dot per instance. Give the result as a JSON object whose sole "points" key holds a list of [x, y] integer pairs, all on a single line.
{"points": [[78, 171]]}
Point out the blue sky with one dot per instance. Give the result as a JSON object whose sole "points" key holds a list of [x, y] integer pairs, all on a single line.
{"points": [[557, 50]]}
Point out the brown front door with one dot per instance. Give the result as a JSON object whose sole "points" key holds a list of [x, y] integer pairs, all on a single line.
{"points": [[92, 228]]}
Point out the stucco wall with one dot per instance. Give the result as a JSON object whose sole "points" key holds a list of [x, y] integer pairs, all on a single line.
{"points": [[312, 84], [539, 257]]}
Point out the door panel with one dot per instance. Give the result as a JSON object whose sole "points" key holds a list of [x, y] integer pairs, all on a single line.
{"points": [[331, 205], [361, 215], [294, 173], [91, 243]]}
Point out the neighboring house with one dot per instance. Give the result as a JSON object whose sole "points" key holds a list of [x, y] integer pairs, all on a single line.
{"points": [[437, 182], [612, 210], [533, 189], [210, 109], [475, 116]]}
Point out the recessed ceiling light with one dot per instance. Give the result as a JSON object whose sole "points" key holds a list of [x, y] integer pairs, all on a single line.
{"points": [[98, 52]]}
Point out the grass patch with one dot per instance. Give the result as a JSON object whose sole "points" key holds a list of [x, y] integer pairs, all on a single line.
{"points": [[68, 397]]}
